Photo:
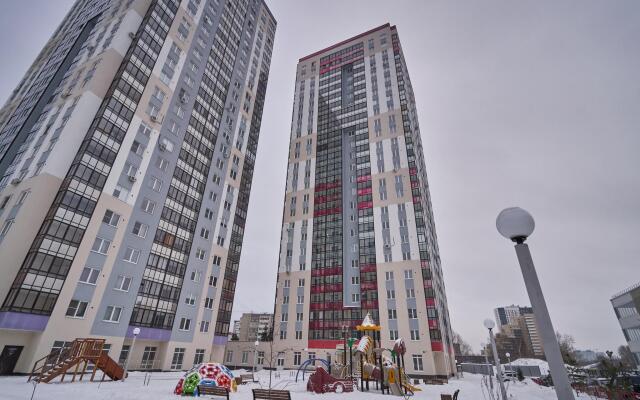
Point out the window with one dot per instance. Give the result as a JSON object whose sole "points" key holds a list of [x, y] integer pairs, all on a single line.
{"points": [[411, 294], [89, 275], [155, 184], [200, 254], [148, 206], [204, 233], [417, 362], [161, 163], [196, 276], [392, 313], [245, 357], [301, 282], [185, 324], [408, 274], [148, 357], [131, 255], [391, 294], [101, 245], [22, 197], [77, 309], [393, 335], [7, 225], [229, 356], [208, 302], [204, 326], [190, 300], [355, 280], [283, 335], [299, 316], [388, 275], [285, 317], [111, 218], [199, 357], [413, 313], [297, 358], [300, 300], [137, 148], [124, 354], [213, 280], [140, 229], [112, 314], [298, 335], [355, 297], [123, 283], [178, 357], [415, 334]]}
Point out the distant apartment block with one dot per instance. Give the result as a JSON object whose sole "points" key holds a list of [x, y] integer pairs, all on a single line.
{"points": [[126, 160], [520, 322], [254, 326], [626, 305]]}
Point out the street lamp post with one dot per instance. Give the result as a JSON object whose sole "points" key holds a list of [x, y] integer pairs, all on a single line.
{"points": [[255, 355], [489, 367], [489, 324], [517, 225], [508, 360], [136, 332]]}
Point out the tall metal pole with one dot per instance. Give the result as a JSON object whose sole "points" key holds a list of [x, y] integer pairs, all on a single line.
{"points": [[496, 360], [486, 360], [126, 360], [545, 327]]}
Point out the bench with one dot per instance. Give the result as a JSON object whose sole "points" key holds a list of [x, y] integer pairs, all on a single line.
{"points": [[244, 378], [206, 390], [271, 394]]}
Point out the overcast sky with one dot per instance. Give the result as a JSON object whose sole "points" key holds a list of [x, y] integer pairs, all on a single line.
{"points": [[527, 103]]}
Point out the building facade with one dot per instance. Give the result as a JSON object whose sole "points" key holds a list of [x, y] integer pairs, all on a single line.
{"points": [[515, 323], [358, 233], [127, 155], [626, 305], [255, 326]]}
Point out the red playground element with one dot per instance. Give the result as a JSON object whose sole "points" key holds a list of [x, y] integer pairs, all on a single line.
{"points": [[321, 382]]}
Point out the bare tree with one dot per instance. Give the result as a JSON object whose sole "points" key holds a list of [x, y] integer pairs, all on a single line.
{"points": [[465, 348], [567, 348], [626, 357]]}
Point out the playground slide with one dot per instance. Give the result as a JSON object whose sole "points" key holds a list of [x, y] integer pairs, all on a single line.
{"points": [[410, 387]]}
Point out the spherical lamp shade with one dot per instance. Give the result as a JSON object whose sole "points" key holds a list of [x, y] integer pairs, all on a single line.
{"points": [[515, 224], [507, 354], [489, 324], [136, 331]]}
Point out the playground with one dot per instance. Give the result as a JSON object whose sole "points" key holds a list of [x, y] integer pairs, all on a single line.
{"points": [[361, 364], [161, 385]]}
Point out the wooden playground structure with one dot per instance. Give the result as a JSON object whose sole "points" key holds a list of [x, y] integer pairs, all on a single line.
{"points": [[81, 352]]}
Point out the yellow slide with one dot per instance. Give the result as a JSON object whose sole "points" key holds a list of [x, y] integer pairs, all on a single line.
{"points": [[410, 387]]}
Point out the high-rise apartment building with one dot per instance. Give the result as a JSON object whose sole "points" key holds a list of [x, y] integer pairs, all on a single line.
{"points": [[626, 305], [518, 319], [358, 233], [127, 154]]}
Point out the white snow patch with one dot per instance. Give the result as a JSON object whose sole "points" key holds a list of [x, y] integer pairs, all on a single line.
{"points": [[162, 384]]}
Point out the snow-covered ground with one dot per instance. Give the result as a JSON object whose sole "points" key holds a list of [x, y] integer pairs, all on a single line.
{"points": [[162, 384], [529, 362]]}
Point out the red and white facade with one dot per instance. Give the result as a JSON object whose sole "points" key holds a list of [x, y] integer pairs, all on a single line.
{"points": [[358, 232]]}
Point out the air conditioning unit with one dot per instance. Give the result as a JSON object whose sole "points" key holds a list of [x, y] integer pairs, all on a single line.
{"points": [[66, 94], [16, 181], [132, 35], [132, 178], [184, 98], [157, 119], [163, 146], [387, 245], [226, 154]]}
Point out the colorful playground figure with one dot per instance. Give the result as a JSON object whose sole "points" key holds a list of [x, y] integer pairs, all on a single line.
{"points": [[206, 374], [322, 382]]}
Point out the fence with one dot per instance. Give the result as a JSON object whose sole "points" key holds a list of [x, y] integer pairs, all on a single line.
{"points": [[487, 369]]}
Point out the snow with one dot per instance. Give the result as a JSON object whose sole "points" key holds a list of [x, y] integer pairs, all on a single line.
{"points": [[162, 383], [527, 362]]}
